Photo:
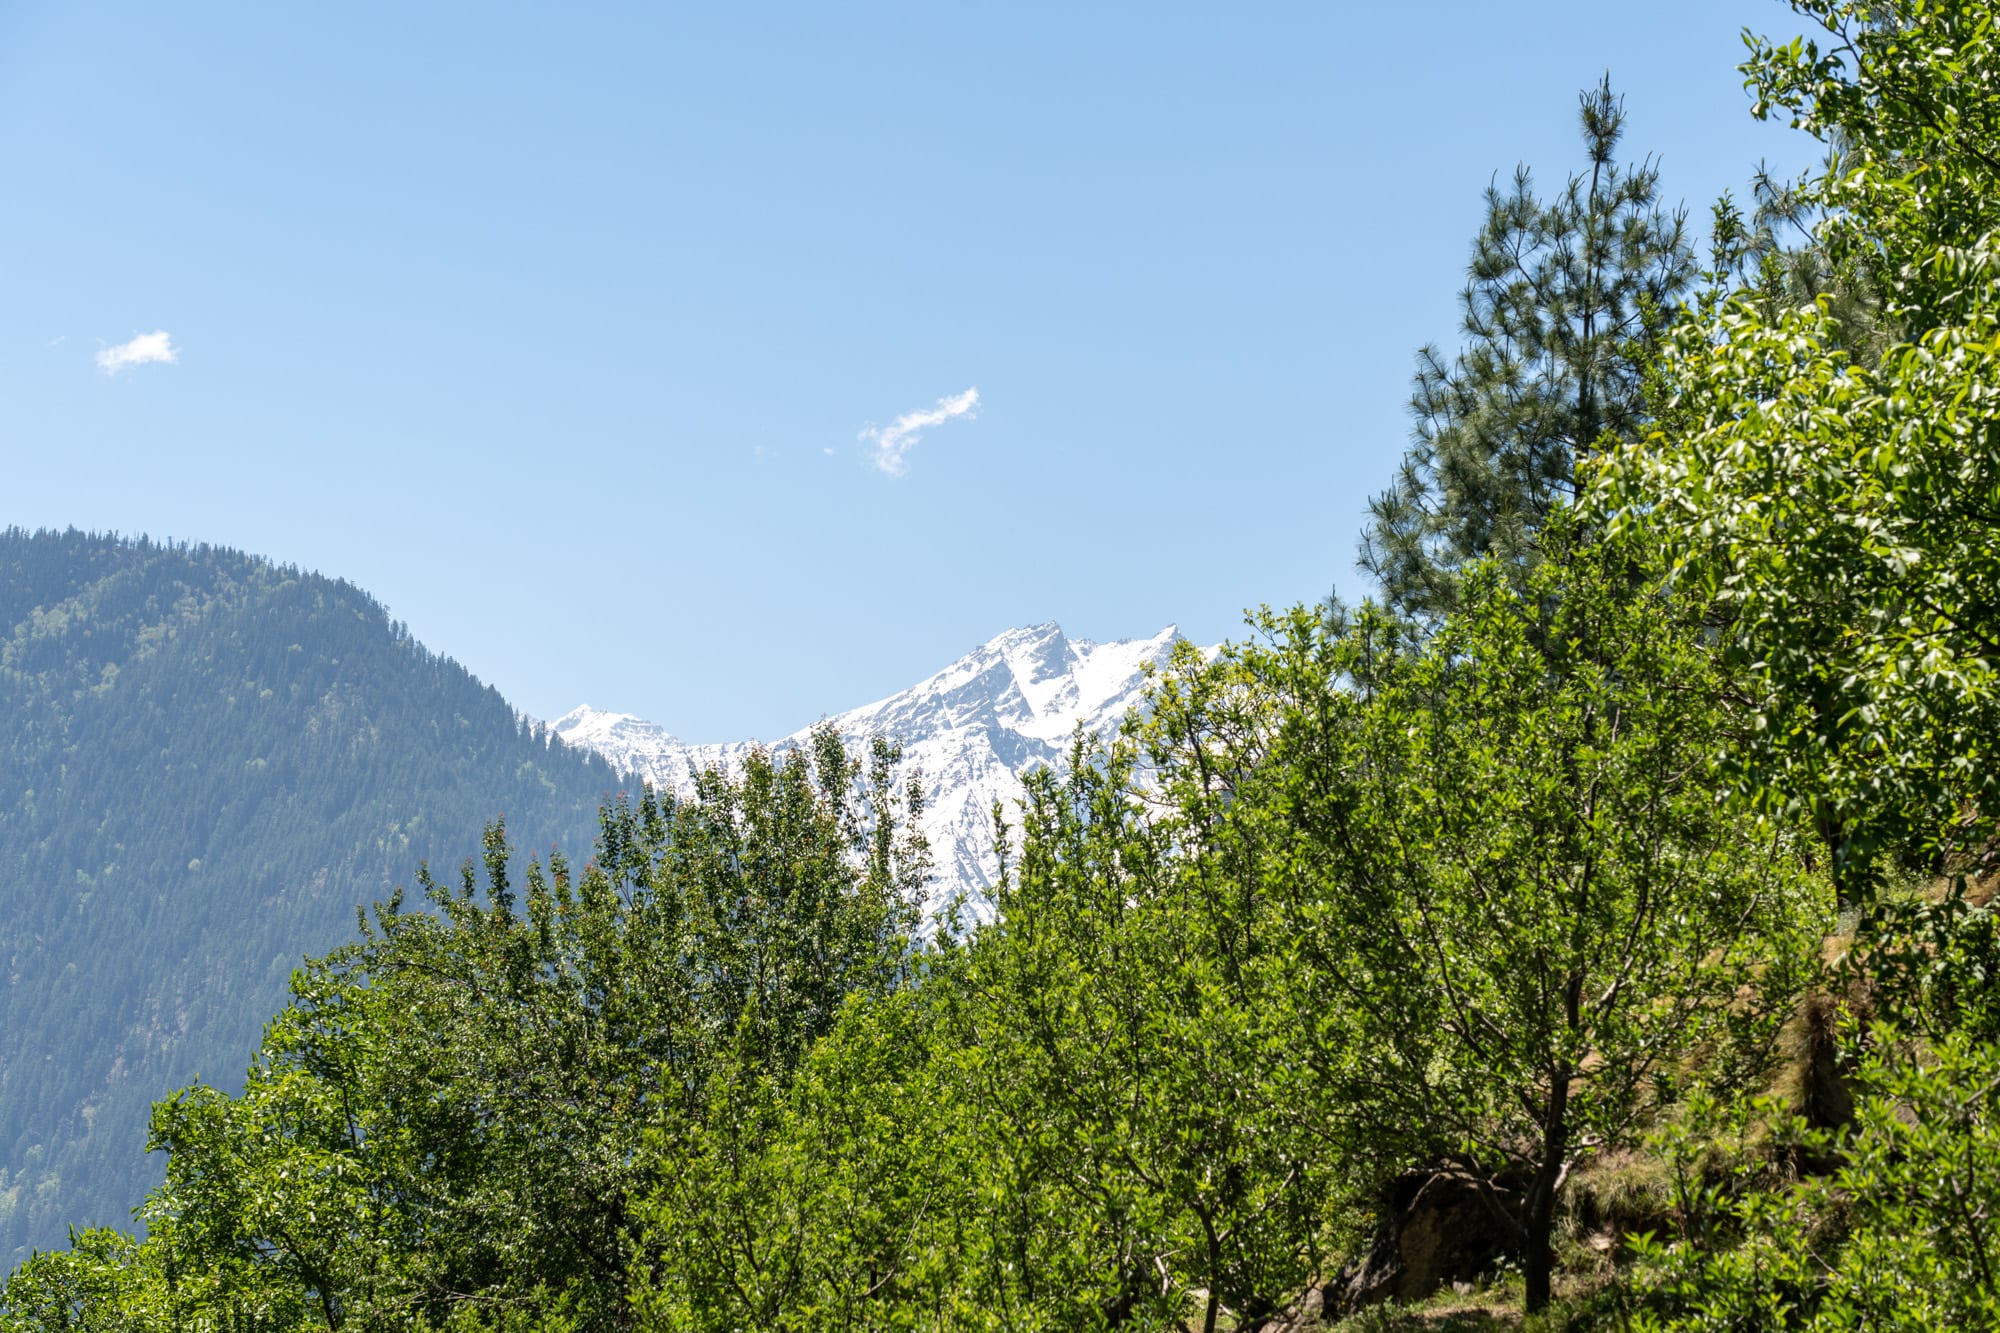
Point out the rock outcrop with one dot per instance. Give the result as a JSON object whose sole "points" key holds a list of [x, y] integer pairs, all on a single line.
{"points": [[1437, 1228]]}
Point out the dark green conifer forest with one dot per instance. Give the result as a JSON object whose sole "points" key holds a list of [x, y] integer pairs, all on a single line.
{"points": [[209, 762], [1589, 929]]}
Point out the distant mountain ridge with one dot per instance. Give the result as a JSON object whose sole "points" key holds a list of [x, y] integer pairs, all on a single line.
{"points": [[972, 730], [208, 760]]}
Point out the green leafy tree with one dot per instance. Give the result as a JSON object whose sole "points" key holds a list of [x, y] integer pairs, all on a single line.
{"points": [[103, 1283], [1561, 306], [1515, 905], [1837, 501], [1077, 1119], [1122, 1010], [1776, 259], [444, 1129], [841, 1199]]}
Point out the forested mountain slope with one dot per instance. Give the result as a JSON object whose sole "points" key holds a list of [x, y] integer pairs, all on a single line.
{"points": [[207, 762]]}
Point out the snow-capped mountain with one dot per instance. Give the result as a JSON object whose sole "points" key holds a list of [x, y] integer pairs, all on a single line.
{"points": [[971, 731]]}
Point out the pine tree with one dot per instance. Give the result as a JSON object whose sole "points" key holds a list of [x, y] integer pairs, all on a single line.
{"points": [[1556, 303]]}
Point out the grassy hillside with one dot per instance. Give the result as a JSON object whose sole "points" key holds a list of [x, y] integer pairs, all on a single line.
{"points": [[208, 761]]}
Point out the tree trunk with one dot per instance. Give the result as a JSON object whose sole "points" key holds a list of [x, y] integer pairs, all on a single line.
{"points": [[1538, 1258], [1538, 1265], [1214, 1274]]}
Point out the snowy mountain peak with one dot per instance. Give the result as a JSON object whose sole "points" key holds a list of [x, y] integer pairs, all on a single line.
{"points": [[971, 731], [624, 740]]}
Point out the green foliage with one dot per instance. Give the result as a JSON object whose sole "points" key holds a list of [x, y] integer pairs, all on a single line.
{"points": [[1128, 1040], [1516, 906], [1560, 309], [103, 1283], [1900, 1235], [208, 762], [1842, 512], [1928, 969], [1344, 906], [1077, 1119], [1835, 494], [831, 1203], [444, 1127], [1364, 907]]}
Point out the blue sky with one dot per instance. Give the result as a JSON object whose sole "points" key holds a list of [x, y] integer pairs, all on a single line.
{"points": [[579, 334]]}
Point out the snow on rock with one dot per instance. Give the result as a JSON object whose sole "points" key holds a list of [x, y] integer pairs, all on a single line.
{"points": [[970, 731]]}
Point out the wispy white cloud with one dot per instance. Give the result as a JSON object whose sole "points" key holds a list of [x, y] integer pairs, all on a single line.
{"points": [[147, 348], [59, 340], [894, 441]]}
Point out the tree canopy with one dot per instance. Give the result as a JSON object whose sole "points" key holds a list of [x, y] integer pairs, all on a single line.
{"points": [[1841, 511], [1562, 302]]}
